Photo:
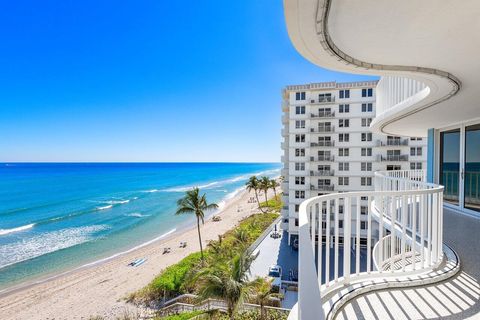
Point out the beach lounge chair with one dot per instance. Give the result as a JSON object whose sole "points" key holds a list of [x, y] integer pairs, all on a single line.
{"points": [[166, 250], [183, 244]]}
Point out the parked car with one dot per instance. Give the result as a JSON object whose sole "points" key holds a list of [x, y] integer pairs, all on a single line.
{"points": [[275, 272]]}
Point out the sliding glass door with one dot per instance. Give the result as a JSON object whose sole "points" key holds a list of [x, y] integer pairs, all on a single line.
{"points": [[472, 167], [450, 165], [459, 166]]}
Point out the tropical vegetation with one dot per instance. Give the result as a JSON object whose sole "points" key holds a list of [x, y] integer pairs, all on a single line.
{"points": [[263, 295], [181, 277], [273, 204], [263, 184], [247, 315], [222, 270], [228, 281], [194, 203]]}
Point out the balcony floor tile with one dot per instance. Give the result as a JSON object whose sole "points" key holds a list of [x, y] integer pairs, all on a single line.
{"points": [[455, 298]]}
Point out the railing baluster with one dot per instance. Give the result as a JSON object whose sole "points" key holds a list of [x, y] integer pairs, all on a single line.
{"points": [[319, 243], [404, 213], [327, 245], [336, 239], [422, 229], [429, 229], [393, 214], [347, 225], [369, 235], [440, 227], [312, 227], [414, 230], [357, 247], [380, 231]]}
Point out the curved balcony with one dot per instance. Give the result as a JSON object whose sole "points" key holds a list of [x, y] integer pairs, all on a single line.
{"points": [[394, 236], [425, 84]]}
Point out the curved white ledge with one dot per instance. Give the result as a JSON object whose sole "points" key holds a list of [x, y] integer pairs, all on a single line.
{"points": [[308, 27]]}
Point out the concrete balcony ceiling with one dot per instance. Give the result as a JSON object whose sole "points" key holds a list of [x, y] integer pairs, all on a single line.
{"points": [[433, 42]]}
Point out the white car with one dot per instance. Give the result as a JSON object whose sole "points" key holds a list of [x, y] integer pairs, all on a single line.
{"points": [[275, 272]]}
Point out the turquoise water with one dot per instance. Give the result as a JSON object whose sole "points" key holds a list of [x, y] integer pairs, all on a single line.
{"points": [[55, 217]]}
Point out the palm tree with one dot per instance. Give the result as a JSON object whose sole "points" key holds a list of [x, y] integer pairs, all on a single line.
{"points": [[254, 184], [265, 186], [197, 204], [274, 185], [241, 237], [229, 282], [263, 294]]}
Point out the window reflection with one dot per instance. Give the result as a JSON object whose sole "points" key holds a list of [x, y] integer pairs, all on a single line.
{"points": [[450, 165], [472, 167]]}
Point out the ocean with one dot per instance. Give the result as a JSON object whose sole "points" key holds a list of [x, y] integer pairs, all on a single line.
{"points": [[58, 216]]}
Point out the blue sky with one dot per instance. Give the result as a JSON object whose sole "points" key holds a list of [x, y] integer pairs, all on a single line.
{"points": [[146, 80]]}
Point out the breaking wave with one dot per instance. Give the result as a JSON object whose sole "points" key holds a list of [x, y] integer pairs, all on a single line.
{"points": [[47, 242], [17, 229]]}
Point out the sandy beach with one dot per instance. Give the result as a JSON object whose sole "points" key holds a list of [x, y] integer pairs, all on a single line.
{"points": [[100, 289]]}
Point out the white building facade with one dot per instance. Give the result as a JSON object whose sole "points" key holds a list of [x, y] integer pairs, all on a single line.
{"points": [[329, 147]]}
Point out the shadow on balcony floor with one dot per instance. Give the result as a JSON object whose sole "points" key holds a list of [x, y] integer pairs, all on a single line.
{"points": [[456, 298]]}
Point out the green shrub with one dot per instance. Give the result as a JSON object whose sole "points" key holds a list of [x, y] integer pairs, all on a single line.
{"points": [[170, 282], [273, 204], [175, 279], [182, 316]]}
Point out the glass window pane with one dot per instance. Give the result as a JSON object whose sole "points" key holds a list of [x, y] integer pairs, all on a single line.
{"points": [[450, 164], [472, 167]]}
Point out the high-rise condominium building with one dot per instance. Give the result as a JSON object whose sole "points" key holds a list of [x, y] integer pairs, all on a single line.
{"points": [[329, 146]]}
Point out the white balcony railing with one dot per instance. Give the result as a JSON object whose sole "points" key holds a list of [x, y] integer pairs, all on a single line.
{"points": [[394, 230], [324, 114], [322, 129]]}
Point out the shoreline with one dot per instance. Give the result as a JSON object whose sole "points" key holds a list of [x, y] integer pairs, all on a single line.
{"points": [[100, 287], [181, 228]]}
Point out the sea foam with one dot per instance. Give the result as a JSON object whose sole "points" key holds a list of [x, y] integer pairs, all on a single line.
{"points": [[17, 229], [137, 215], [105, 207], [44, 243]]}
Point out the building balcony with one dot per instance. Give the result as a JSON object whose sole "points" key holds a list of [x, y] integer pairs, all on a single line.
{"points": [[397, 241], [323, 158], [323, 100], [322, 144], [322, 187], [322, 173], [325, 129], [394, 158], [322, 115], [392, 143]]}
